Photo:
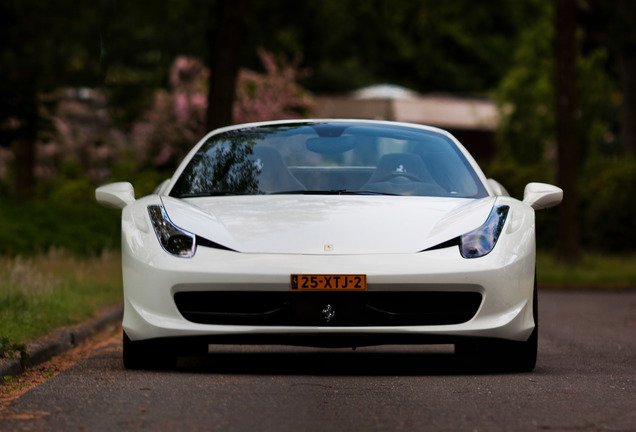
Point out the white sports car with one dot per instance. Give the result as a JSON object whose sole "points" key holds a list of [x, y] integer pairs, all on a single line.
{"points": [[331, 233]]}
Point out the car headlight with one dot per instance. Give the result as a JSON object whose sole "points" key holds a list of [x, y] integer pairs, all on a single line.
{"points": [[173, 239], [481, 241]]}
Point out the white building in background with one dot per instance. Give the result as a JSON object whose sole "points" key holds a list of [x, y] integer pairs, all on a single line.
{"points": [[472, 121]]}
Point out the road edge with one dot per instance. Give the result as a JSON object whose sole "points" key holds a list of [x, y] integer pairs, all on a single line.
{"points": [[59, 341]]}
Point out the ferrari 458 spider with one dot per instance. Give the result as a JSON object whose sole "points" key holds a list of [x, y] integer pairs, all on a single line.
{"points": [[329, 233]]}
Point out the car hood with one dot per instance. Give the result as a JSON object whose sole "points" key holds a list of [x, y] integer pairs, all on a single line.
{"points": [[309, 224]]}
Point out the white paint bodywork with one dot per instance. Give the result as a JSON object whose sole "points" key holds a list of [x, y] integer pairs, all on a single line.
{"points": [[303, 224], [384, 237], [504, 277]]}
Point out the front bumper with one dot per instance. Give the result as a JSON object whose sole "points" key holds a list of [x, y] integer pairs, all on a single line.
{"points": [[503, 281]]}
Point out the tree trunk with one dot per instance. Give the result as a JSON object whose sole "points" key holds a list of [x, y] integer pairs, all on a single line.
{"points": [[25, 106], [24, 167], [225, 61], [569, 244]]}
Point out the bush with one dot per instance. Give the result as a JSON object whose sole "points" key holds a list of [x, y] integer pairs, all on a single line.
{"points": [[36, 226], [607, 205], [515, 176], [607, 193], [63, 215]]}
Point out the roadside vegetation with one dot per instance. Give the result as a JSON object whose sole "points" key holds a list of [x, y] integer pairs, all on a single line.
{"points": [[594, 271], [52, 290]]}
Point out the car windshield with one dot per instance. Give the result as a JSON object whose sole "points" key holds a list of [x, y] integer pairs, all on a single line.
{"points": [[329, 158]]}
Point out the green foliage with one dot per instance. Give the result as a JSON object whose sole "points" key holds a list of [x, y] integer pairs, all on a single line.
{"points": [[527, 150], [526, 99], [9, 348], [64, 214], [526, 95], [48, 43], [599, 101], [31, 227], [426, 45], [515, 176], [139, 41], [608, 190]]}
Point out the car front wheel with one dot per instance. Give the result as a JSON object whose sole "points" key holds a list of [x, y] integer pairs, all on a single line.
{"points": [[147, 355], [502, 354]]}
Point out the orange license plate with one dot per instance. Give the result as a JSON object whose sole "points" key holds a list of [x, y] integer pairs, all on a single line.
{"points": [[325, 282]]}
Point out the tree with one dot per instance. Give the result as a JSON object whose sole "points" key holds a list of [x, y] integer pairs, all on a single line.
{"points": [[613, 26], [426, 45], [43, 45], [526, 139], [565, 54], [225, 61], [165, 132], [139, 41]]}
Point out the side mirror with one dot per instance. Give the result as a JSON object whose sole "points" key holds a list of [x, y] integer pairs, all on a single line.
{"points": [[542, 195], [116, 195]]}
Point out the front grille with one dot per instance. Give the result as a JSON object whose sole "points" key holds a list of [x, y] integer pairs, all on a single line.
{"points": [[337, 309]]}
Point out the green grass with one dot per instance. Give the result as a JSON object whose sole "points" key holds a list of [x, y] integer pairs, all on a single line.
{"points": [[52, 290], [595, 270]]}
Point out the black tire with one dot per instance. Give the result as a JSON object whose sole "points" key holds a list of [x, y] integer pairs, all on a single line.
{"points": [[147, 355], [522, 356], [505, 355]]}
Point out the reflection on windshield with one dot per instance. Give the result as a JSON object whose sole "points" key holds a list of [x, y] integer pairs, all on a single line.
{"points": [[222, 166], [329, 158]]}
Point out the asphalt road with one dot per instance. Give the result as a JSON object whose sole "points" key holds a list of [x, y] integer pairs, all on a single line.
{"points": [[585, 380]]}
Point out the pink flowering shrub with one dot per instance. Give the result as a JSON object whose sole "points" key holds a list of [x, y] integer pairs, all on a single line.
{"points": [[272, 95], [81, 131], [177, 118]]}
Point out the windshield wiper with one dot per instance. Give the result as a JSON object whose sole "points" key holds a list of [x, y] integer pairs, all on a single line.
{"points": [[332, 192]]}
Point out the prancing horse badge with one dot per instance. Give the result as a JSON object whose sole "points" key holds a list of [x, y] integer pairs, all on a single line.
{"points": [[328, 312]]}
